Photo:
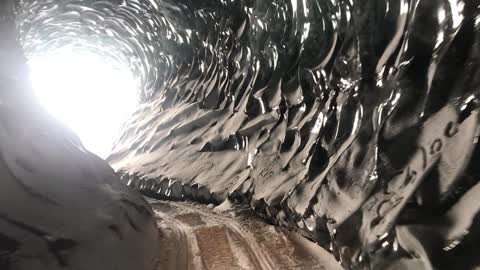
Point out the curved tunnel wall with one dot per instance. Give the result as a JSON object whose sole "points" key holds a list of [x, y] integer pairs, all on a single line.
{"points": [[352, 121]]}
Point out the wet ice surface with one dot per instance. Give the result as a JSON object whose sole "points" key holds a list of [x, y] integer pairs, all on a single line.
{"points": [[355, 122]]}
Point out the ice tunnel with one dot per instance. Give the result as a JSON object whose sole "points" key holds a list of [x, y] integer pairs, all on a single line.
{"points": [[239, 134]]}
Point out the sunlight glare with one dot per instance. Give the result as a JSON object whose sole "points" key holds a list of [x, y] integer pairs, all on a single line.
{"points": [[87, 93]]}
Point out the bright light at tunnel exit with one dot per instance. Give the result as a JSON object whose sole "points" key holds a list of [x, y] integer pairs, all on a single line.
{"points": [[87, 93]]}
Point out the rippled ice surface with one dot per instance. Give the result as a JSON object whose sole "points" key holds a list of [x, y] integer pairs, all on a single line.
{"points": [[353, 121]]}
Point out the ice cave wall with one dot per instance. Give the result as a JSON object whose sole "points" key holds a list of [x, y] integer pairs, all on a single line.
{"points": [[355, 122]]}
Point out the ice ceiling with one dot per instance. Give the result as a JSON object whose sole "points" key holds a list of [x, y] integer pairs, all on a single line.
{"points": [[355, 122]]}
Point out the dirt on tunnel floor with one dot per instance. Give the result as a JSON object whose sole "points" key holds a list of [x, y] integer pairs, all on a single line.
{"points": [[194, 236]]}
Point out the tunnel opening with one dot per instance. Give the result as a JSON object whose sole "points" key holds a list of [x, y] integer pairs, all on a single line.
{"points": [[88, 93]]}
